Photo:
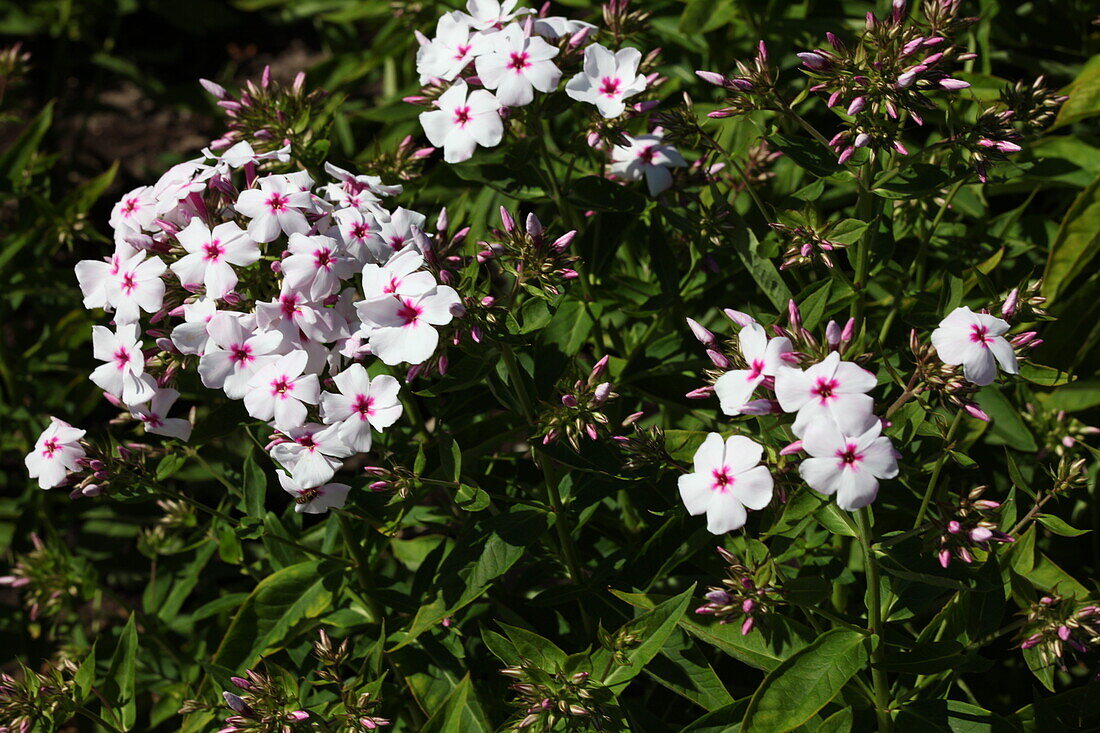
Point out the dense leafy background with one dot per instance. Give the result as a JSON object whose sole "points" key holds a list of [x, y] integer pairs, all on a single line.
{"points": [[111, 100]]}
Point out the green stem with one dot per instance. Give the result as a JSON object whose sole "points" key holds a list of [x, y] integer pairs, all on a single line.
{"points": [[926, 240], [362, 565], [875, 625], [937, 469], [867, 209]]}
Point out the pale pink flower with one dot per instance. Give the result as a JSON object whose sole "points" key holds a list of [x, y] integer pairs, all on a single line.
{"points": [[402, 327], [359, 234], [137, 209], [462, 122], [314, 499], [847, 464], [397, 231], [211, 256], [455, 45], [55, 454], [136, 287], [831, 390], [276, 206], [294, 313], [315, 266], [281, 391], [645, 157], [313, 453], [735, 388], [401, 275], [154, 416], [123, 374], [191, 337], [95, 275], [728, 478], [233, 355], [607, 79], [515, 65], [363, 403], [488, 14], [975, 340]]}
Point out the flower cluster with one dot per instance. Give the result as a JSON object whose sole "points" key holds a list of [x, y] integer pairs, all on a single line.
{"points": [[49, 579], [1059, 627], [580, 414], [545, 700], [33, 699], [834, 421], [250, 280], [263, 705], [741, 595], [970, 524]]}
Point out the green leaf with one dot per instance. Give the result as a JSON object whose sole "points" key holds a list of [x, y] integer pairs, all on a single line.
{"points": [[1044, 375], [1075, 244], [913, 181], [950, 716], [1007, 427], [459, 713], [571, 324], [14, 160], [1059, 527], [1084, 95], [273, 610], [683, 668], [793, 692], [255, 487], [721, 720], [654, 628], [118, 686], [544, 653], [85, 676], [935, 656], [471, 498], [764, 273]]}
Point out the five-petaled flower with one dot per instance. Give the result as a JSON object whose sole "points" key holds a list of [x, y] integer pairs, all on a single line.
{"points": [[515, 65], [735, 387], [282, 390], [154, 416], [975, 340], [123, 375], [363, 403], [312, 454], [402, 327], [211, 255], [728, 478], [607, 79], [55, 454], [462, 122], [233, 355], [831, 391], [314, 499], [848, 464], [136, 286], [276, 206], [455, 45], [645, 157], [316, 265]]}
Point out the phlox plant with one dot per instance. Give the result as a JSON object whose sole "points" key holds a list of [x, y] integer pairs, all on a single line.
{"points": [[610, 388]]}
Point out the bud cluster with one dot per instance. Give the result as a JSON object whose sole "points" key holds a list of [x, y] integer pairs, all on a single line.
{"points": [[1060, 627], [557, 700], [1023, 109], [946, 380], [743, 596], [751, 86], [48, 578], [31, 699], [538, 263], [644, 447], [806, 244], [264, 705], [1056, 431], [580, 413], [971, 524], [1025, 303]]}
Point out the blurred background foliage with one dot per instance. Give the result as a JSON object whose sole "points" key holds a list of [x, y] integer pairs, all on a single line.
{"points": [[107, 97]]}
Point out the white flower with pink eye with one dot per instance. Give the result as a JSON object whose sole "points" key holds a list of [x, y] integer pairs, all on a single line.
{"points": [[402, 327], [455, 45], [95, 275], [486, 14], [975, 340], [728, 478], [312, 454], [363, 403], [211, 255], [515, 65], [359, 233], [55, 454], [763, 357], [315, 499], [397, 230], [154, 416], [645, 157], [831, 391], [462, 122], [316, 265], [293, 312], [401, 275], [607, 79], [847, 464], [281, 391], [136, 287], [276, 206], [233, 355], [136, 209], [179, 182], [191, 337], [123, 374], [354, 184]]}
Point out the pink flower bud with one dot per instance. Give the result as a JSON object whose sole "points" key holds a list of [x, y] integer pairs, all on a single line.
{"points": [[718, 359], [741, 319], [700, 394], [711, 77], [856, 106], [600, 394], [704, 336], [945, 557], [748, 605], [791, 449], [214, 89], [954, 527], [562, 243], [534, 226], [976, 412], [569, 400], [746, 627], [813, 61], [980, 534], [953, 84], [599, 367], [761, 407]]}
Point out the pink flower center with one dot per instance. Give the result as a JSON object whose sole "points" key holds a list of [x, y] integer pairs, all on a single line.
{"points": [[757, 369], [849, 457], [980, 336], [824, 389], [723, 479], [50, 447], [121, 357], [360, 231], [323, 258], [213, 250], [277, 202], [281, 387], [609, 87], [307, 442], [395, 283], [461, 51], [240, 353], [519, 62], [130, 207], [462, 116], [364, 405], [409, 312], [128, 283], [152, 421], [289, 305], [397, 242], [646, 154]]}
